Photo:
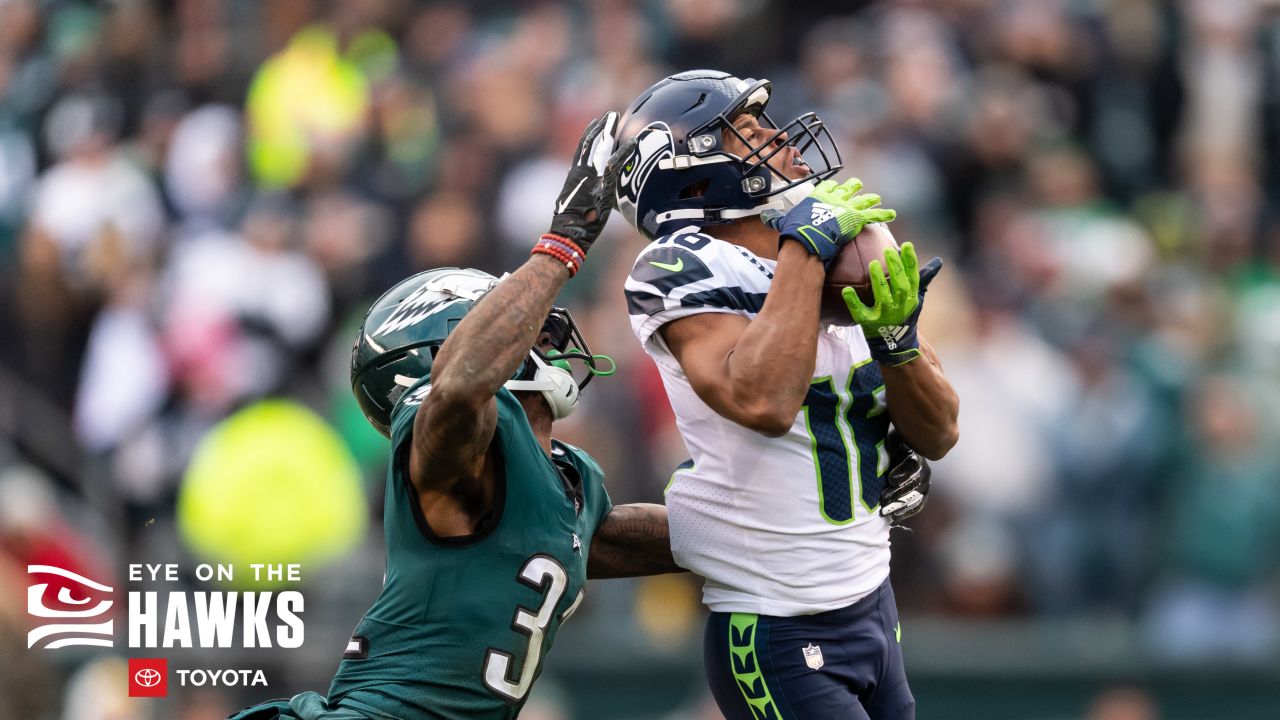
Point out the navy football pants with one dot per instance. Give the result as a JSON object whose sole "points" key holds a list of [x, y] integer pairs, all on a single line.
{"points": [[843, 664]]}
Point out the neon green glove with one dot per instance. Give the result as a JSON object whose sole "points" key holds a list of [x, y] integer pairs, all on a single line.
{"points": [[858, 211], [831, 216], [890, 323]]}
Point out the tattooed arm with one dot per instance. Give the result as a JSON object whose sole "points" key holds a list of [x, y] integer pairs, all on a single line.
{"points": [[456, 420], [454, 425], [632, 541]]}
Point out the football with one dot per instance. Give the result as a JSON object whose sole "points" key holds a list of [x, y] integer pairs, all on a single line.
{"points": [[849, 269]]}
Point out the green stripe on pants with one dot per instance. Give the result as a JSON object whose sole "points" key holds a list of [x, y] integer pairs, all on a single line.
{"points": [[746, 666]]}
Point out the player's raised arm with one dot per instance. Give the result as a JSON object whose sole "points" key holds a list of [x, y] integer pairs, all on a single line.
{"points": [[632, 540], [456, 421], [757, 372]]}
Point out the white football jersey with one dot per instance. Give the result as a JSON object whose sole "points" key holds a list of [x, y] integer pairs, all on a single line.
{"points": [[777, 526]]}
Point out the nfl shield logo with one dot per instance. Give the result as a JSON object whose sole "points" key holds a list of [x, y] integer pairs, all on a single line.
{"points": [[812, 656]]}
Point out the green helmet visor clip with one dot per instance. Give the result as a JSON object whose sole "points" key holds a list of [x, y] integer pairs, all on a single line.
{"points": [[561, 341]]}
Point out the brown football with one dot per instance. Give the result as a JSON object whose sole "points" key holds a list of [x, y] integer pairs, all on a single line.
{"points": [[849, 269]]}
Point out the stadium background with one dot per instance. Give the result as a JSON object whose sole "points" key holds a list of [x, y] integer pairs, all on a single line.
{"points": [[199, 198]]}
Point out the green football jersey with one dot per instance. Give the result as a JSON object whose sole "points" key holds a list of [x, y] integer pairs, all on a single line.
{"points": [[463, 624]]}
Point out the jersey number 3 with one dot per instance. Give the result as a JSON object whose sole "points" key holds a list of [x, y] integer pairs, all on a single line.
{"points": [[539, 572], [847, 426]]}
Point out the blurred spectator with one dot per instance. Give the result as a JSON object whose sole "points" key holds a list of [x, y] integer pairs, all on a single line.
{"points": [[342, 234], [93, 206], [529, 189], [1013, 387], [238, 307], [202, 171], [1223, 537], [407, 129], [17, 163], [294, 135], [124, 378], [445, 230], [1094, 536]]}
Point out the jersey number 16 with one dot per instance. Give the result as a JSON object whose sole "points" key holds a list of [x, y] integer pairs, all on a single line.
{"points": [[847, 426]]}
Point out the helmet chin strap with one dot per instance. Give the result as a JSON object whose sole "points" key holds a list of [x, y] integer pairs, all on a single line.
{"points": [[555, 383], [785, 200], [777, 204]]}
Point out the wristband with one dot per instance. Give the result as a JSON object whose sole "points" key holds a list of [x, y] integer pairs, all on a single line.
{"points": [[567, 243], [562, 249]]}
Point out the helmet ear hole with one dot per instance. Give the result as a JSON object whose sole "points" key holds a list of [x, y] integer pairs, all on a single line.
{"points": [[695, 190]]}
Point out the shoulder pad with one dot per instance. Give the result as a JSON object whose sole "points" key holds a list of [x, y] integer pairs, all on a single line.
{"points": [[667, 267], [693, 270]]}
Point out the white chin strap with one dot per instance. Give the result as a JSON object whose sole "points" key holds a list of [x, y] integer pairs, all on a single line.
{"points": [[780, 203], [785, 200], [556, 385]]}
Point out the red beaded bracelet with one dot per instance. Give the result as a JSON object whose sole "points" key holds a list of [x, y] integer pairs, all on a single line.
{"points": [[557, 253], [561, 248], [572, 246]]}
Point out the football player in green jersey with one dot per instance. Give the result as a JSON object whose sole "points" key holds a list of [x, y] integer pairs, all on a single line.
{"points": [[492, 527]]}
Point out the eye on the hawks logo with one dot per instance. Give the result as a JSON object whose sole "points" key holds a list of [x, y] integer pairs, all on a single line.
{"points": [[74, 591], [148, 677]]}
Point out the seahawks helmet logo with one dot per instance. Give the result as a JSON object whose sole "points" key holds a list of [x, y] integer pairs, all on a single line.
{"points": [[653, 144]]}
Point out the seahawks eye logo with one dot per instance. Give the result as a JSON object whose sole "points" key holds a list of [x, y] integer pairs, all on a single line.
{"points": [[653, 144], [72, 611]]}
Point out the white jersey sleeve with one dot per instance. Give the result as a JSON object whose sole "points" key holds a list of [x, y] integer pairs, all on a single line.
{"points": [[687, 273], [776, 525]]}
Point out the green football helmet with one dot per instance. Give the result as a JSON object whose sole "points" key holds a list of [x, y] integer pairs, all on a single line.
{"points": [[402, 333], [405, 328]]}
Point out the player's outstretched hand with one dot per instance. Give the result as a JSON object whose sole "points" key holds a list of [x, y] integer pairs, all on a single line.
{"points": [[889, 324], [906, 487], [586, 199], [831, 216]]}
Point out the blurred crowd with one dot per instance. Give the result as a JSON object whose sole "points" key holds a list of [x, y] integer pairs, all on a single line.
{"points": [[199, 198]]}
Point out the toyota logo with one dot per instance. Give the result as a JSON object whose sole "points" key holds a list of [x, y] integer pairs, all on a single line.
{"points": [[147, 677]]}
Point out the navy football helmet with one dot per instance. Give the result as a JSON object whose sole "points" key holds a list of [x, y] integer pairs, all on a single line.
{"points": [[680, 174], [405, 328]]}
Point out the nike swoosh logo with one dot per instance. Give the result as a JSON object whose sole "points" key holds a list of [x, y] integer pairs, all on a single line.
{"points": [[677, 267], [561, 206]]}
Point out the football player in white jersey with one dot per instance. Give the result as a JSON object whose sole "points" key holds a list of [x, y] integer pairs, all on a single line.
{"points": [[786, 420]]}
